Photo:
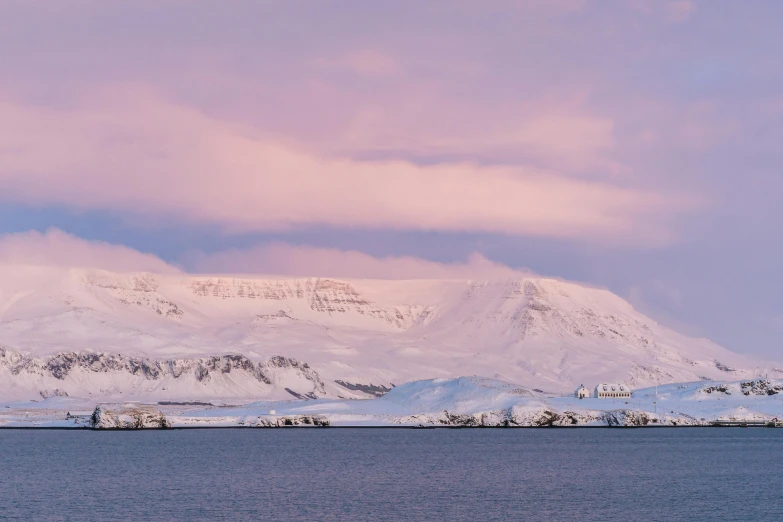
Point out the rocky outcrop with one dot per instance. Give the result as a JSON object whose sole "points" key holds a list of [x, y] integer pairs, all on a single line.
{"points": [[747, 388], [632, 418], [760, 387], [626, 418], [296, 420], [127, 417], [718, 388], [507, 418], [545, 417]]}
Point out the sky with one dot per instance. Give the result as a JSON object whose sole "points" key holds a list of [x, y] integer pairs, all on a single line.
{"points": [[626, 144]]}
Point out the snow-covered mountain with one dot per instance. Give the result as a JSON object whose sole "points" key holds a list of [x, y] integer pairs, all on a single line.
{"points": [[182, 337]]}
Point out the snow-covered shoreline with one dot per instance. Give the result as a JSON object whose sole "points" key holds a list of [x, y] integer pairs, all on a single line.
{"points": [[461, 402]]}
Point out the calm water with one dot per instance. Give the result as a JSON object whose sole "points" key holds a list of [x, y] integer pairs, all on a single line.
{"points": [[375, 474]]}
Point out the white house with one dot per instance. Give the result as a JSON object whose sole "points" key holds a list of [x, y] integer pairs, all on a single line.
{"points": [[612, 391], [582, 392]]}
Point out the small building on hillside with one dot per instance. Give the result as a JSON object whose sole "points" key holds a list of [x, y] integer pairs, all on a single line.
{"points": [[582, 392], [612, 391]]}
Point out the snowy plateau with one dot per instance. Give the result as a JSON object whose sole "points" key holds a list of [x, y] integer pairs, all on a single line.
{"points": [[73, 339]]}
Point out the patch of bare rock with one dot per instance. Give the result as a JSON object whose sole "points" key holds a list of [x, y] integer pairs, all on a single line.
{"points": [[127, 416]]}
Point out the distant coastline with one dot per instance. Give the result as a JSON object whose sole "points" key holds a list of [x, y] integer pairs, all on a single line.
{"points": [[466, 402]]}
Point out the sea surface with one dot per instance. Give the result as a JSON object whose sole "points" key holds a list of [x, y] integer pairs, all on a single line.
{"points": [[393, 474]]}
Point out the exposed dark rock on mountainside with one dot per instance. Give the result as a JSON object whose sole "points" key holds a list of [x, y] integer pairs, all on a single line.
{"points": [[60, 365], [369, 389], [130, 373]]}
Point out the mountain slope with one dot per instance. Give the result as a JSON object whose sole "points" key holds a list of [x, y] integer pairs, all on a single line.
{"points": [[539, 332]]}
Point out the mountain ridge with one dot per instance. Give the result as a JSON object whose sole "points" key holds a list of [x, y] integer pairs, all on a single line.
{"points": [[539, 332]]}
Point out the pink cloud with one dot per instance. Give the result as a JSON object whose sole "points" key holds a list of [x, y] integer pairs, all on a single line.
{"points": [[290, 260], [671, 11], [527, 7], [56, 248], [559, 134], [135, 152], [365, 62], [697, 126], [680, 10]]}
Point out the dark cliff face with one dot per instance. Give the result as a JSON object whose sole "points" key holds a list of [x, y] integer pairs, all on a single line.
{"points": [[62, 364], [369, 389], [327, 296]]}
